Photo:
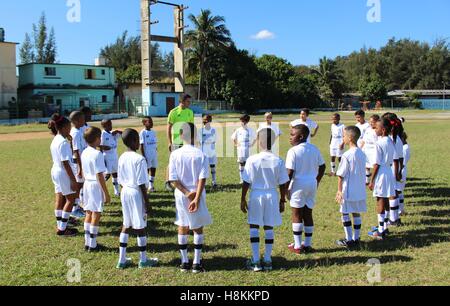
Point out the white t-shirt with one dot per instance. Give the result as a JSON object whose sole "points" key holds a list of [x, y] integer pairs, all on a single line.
{"points": [[110, 140], [132, 170], [385, 150], [363, 128], [273, 126], [78, 142], [398, 147], [244, 137], [188, 165], [93, 163], [305, 159], [406, 154], [312, 125], [337, 135], [352, 169], [149, 140], [265, 171], [207, 139], [61, 151], [370, 140]]}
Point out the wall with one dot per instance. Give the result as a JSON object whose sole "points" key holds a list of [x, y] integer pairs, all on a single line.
{"points": [[436, 104], [8, 79]]}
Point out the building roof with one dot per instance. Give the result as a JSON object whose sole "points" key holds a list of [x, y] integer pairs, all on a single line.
{"points": [[424, 92], [59, 64], [8, 42]]}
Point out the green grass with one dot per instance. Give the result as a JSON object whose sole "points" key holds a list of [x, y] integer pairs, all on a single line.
{"points": [[417, 254]]}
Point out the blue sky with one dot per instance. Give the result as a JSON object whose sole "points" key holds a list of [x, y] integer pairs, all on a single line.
{"points": [[303, 30]]}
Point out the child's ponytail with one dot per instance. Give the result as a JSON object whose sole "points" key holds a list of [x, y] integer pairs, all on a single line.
{"points": [[56, 123]]}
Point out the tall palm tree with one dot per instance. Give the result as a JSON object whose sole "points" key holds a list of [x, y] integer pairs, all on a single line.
{"points": [[329, 77], [209, 32]]}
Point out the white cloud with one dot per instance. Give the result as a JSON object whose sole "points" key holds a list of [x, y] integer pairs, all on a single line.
{"points": [[263, 35]]}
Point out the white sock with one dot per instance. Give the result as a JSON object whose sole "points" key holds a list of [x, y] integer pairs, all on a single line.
{"points": [[333, 167], [241, 172], [64, 219], [123, 247], [346, 221], [367, 176], [309, 230], [58, 215], [270, 236], [93, 240], [183, 244], [75, 206], [198, 245], [402, 203], [357, 222], [81, 196], [386, 220], [152, 181], [142, 244], [116, 185], [381, 223], [254, 240], [213, 175], [393, 204], [298, 232], [87, 234]]}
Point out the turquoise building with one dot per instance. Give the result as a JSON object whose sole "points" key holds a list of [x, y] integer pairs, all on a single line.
{"points": [[66, 87]]}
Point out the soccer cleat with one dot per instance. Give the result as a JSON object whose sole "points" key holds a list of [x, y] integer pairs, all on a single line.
{"points": [[117, 193], [292, 248], [345, 243], [214, 186], [185, 267], [198, 268], [151, 190], [78, 214], [150, 263], [306, 249], [267, 266], [73, 222], [397, 223], [97, 249], [375, 229], [69, 232], [86, 248], [254, 266], [376, 235], [123, 266]]}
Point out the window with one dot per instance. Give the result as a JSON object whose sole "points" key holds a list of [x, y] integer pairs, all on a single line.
{"points": [[89, 74], [50, 71], [104, 99], [103, 71]]}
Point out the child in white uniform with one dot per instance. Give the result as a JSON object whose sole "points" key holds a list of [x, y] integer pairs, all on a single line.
{"points": [[94, 189], [382, 181], [188, 172], [62, 174], [264, 173], [207, 137], [362, 124], [306, 168], [244, 139], [369, 143], [336, 142], [149, 149], [305, 120], [351, 194], [407, 157], [133, 177], [108, 146]]}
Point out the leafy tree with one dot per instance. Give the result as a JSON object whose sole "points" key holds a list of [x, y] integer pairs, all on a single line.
{"points": [[373, 89], [26, 51], [329, 79]]}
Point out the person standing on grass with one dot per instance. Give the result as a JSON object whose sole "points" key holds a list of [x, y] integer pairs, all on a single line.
{"points": [[109, 148], [305, 120], [177, 117], [362, 125], [149, 149], [63, 177], [336, 142]]}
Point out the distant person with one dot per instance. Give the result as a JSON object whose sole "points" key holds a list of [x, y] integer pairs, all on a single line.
{"points": [[188, 172], [407, 158], [336, 142], [264, 173], [368, 145], [149, 148], [351, 195], [313, 127], [362, 124], [133, 177], [268, 123], [95, 192], [177, 117], [306, 168], [244, 139], [207, 137], [108, 146], [63, 177]]}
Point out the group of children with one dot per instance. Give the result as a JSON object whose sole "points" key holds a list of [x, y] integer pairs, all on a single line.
{"points": [[85, 158]]}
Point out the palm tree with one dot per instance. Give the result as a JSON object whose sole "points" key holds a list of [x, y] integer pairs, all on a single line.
{"points": [[329, 78], [209, 33]]}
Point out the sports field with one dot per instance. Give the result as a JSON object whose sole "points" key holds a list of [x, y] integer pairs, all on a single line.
{"points": [[416, 254]]}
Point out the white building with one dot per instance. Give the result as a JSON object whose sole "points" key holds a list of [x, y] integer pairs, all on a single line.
{"points": [[8, 77]]}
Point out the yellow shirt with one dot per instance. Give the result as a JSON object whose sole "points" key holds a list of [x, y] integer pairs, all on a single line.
{"points": [[176, 118]]}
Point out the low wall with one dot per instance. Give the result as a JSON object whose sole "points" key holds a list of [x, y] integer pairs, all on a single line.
{"points": [[45, 120]]}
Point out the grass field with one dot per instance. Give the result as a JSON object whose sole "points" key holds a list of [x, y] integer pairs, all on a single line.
{"points": [[417, 254]]}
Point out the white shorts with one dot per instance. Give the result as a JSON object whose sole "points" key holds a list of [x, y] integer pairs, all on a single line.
{"points": [[370, 159], [303, 193], [212, 160], [384, 184], [243, 154], [112, 163], [195, 220], [336, 152], [80, 180], [93, 198], [353, 207], [133, 209], [61, 180], [264, 208], [152, 159]]}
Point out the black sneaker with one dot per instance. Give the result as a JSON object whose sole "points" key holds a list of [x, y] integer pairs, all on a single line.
{"points": [[86, 248], [345, 243], [198, 269], [185, 267], [99, 248], [306, 250], [69, 232]]}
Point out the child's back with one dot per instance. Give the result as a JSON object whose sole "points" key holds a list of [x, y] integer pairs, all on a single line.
{"points": [[188, 165], [353, 172], [132, 171], [265, 171]]}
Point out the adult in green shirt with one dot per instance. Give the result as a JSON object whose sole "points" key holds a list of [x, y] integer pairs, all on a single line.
{"points": [[177, 117]]}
